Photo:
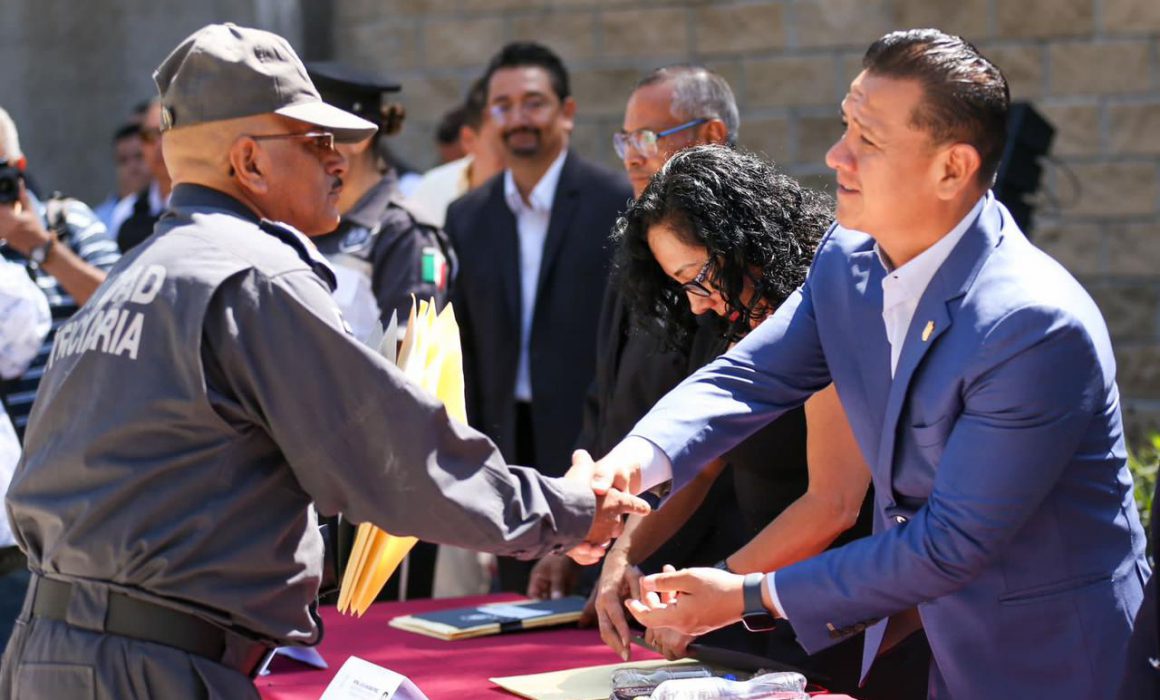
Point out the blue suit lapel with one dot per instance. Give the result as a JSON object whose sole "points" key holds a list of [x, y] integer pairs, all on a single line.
{"points": [[933, 317], [868, 332]]}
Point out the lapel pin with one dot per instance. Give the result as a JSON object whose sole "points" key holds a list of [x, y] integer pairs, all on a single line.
{"points": [[927, 331]]}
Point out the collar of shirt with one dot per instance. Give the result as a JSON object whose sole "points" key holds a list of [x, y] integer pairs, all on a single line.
{"points": [[156, 203], [542, 195], [368, 210], [190, 196], [907, 283]]}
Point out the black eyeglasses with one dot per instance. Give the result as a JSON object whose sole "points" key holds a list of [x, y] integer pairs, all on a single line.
{"points": [[322, 140], [645, 140], [696, 286]]}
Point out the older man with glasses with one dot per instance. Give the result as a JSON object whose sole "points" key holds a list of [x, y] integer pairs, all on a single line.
{"points": [[167, 498]]}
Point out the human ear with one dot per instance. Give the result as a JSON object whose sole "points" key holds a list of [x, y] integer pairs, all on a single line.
{"points": [[568, 113], [959, 169], [715, 131], [247, 166]]}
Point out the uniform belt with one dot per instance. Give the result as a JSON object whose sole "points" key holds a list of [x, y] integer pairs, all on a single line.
{"points": [[149, 622]]}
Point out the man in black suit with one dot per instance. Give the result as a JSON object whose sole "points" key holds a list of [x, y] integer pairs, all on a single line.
{"points": [[670, 109], [534, 254]]}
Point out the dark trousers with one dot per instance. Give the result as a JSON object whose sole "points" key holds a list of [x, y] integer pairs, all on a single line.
{"points": [[514, 573], [14, 577]]}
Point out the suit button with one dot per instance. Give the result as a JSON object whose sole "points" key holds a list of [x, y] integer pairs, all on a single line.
{"points": [[900, 519]]}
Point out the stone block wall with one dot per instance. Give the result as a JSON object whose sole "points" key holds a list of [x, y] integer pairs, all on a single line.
{"points": [[1092, 67]]}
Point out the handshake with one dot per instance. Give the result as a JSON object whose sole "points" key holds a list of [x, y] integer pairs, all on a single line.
{"points": [[613, 481]]}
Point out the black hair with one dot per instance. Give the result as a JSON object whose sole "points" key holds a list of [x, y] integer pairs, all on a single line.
{"points": [[475, 103], [519, 54], [965, 96], [447, 130], [749, 216], [126, 131]]}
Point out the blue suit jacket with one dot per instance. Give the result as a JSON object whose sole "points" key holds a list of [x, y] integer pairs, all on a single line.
{"points": [[1004, 506]]}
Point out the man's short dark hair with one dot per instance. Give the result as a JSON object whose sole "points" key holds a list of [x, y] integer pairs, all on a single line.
{"points": [[521, 54], [447, 130], [126, 131], [475, 104], [965, 96]]}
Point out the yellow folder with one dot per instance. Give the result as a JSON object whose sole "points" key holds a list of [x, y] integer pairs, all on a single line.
{"points": [[431, 357]]}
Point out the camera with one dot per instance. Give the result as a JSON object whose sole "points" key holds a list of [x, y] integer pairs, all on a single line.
{"points": [[10, 178]]}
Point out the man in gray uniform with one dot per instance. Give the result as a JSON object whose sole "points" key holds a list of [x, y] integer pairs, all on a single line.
{"points": [[208, 395]]}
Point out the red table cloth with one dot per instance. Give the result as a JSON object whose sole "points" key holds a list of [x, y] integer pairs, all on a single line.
{"points": [[441, 669]]}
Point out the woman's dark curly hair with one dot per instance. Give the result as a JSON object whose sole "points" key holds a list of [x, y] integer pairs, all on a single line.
{"points": [[742, 209]]}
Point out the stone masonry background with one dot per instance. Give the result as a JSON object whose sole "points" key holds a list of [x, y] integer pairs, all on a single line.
{"points": [[1092, 67]]}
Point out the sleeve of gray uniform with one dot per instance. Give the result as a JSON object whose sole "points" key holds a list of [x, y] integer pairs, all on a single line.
{"points": [[364, 441]]}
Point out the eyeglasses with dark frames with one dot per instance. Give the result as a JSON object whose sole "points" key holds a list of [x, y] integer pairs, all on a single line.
{"points": [[696, 286], [322, 140], [645, 140]]}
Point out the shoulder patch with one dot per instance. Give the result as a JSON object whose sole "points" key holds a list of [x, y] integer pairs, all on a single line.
{"points": [[356, 238]]}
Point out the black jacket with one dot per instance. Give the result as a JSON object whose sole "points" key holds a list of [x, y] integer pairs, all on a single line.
{"points": [[572, 280]]}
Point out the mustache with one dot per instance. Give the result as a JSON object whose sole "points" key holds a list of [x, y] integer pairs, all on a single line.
{"points": [[336, 185], [508, 133]]}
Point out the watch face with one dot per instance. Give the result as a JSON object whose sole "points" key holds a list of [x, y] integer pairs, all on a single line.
{"points": [[758, 621]]}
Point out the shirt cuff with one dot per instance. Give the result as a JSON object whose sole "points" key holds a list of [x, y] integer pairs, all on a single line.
{"points": [[655, 467], [771, 588]]}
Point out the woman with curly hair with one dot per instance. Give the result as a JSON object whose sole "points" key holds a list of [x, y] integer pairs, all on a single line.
{"points": [[726, 236]]}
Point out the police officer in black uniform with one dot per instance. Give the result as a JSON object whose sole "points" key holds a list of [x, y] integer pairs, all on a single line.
{"points": [[384, 250]]}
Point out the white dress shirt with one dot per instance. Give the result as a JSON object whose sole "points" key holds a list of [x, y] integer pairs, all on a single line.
{"points": [[532, 218], [440, 186], [24, 321], [902, 288]]}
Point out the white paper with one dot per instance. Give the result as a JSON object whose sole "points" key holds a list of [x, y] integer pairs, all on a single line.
{"points": [[359, 679], [306, 655]]}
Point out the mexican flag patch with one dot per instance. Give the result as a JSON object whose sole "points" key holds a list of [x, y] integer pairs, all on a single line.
{"points": [[434, 266]]}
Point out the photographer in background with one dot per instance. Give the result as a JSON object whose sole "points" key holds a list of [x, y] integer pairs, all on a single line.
{"points": [[65, 249]]}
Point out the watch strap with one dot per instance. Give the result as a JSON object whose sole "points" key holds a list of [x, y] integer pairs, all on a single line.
{"points": [[751, 589], [39, 255]]}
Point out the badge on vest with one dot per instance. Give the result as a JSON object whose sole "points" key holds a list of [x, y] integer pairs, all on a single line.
{"points": [[434, 267], [355, 239]]}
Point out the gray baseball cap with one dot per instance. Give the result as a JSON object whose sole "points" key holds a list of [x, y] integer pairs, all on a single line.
{"points": [[224, 71]]}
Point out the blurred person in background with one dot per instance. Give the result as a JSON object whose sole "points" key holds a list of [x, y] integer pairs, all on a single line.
{"points": [[534, 258], [448, 144], [484, 159], [131, 171], [152, 200], [65, 249], [24, 322], [385, 252], [669, 109]]}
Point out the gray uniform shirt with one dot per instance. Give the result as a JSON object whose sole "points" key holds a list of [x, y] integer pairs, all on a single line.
{"points": [[208, 394]]}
